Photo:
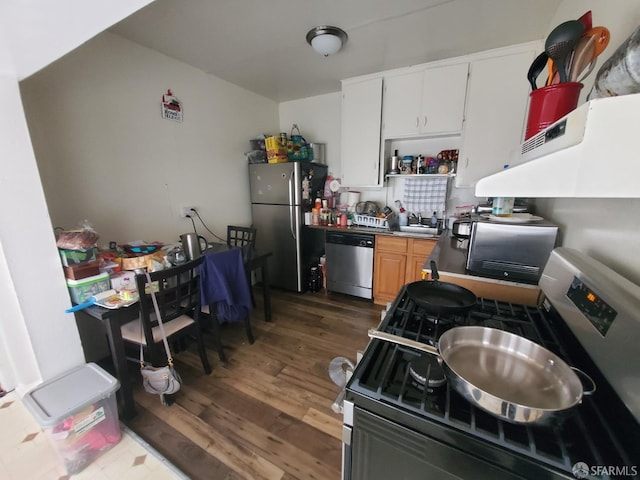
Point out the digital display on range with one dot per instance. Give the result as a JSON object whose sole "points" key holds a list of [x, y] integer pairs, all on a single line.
{"points": [[597, 311]]}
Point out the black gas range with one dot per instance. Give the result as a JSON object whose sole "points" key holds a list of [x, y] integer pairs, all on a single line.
{"points": [[402, 419]]}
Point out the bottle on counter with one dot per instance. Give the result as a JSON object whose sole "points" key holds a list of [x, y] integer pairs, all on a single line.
{"points": [[325, 214], [434, 220], [502, 206]]}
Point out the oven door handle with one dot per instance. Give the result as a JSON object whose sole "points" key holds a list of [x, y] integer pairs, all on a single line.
{"points": [[347, 432]]}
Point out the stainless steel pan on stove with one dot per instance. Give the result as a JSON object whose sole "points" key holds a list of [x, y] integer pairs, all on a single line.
{"points": [[504, 374]]}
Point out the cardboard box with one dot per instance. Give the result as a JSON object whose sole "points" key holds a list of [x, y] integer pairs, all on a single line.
{"points": [[276, 153], [79, 413], [82, 270]]}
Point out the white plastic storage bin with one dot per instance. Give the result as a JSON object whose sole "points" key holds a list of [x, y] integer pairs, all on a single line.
{"points": [[79, 413], [82, 290]]}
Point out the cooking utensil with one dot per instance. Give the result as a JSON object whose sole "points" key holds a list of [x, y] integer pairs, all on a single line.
{"points": [[561, 42], [502, 373], [586, 20], [582, 56], [601, 36], [438, 297], [536, 68], [552, 75]]}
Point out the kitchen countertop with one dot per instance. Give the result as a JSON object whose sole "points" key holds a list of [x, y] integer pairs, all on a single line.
{"points": [[450, 253], [374, 231]]}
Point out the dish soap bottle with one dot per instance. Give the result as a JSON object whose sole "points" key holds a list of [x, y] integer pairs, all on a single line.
{"points": [[434, 220]]}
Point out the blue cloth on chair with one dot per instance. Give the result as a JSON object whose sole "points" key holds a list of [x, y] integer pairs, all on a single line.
{"points": [[223, 282]]}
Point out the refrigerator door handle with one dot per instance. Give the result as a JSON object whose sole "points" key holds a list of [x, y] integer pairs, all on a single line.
{"points": [[291, 202], [291, 207]]}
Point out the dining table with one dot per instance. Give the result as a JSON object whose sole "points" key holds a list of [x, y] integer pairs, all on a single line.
{"points": [[113, 319]]}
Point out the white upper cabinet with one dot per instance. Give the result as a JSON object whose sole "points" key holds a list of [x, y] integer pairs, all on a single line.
{"points": [[361, 117], [426, 102], [497, 101]]}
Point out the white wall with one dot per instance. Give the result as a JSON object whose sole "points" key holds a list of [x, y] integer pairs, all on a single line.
{"points": [[37, 339], [106, 155], [40, 31], [319, 121]]}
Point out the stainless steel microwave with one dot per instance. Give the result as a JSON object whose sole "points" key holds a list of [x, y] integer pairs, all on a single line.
{"points": [[510, 251]]}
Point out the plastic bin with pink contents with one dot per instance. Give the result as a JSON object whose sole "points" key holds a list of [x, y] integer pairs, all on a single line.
{"points": [[79, 413]]}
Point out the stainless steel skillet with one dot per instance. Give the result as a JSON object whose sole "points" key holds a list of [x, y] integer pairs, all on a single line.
{"points": [[502, 373]]}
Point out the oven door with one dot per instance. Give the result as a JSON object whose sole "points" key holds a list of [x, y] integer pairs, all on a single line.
{"points": [[381, 450]]}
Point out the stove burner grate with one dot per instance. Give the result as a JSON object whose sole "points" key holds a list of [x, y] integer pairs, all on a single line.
{"points": [[427, 373]]}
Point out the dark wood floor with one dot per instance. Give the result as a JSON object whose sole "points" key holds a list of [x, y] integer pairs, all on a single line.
{"points": [[267, 413]]}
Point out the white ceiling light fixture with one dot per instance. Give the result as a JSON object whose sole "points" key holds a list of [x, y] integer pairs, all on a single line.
{"points": [[326, 40]]}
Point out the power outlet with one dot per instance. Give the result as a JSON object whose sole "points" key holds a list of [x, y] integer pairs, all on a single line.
{"points": [[187, 212]]}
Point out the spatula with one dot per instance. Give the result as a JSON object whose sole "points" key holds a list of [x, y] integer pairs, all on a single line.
{"points": [[582, 57], [601, 36]]}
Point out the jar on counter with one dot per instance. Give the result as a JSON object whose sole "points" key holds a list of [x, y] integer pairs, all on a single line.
{"points": [[315, 216], [443, 167]]}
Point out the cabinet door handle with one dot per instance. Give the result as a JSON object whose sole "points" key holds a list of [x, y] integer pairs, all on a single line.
{"points": [[425, 120], [417, 122]]}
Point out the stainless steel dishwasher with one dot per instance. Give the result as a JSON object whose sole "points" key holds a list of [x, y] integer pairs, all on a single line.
{"points": [[350, 263]]}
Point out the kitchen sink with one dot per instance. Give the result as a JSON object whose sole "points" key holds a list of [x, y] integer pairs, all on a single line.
{"points": [[421, 229]]}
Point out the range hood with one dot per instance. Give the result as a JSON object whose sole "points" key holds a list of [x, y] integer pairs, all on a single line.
{"points": [[593, 152]]}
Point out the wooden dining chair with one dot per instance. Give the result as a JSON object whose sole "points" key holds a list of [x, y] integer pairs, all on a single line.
{"points": [[178, 296], [241, 236], [245, 238], [226, 293]]}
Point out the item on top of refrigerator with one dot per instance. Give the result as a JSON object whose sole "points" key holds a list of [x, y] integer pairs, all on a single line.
{"points": [[258, 143], [83, 238], [276, 153]]}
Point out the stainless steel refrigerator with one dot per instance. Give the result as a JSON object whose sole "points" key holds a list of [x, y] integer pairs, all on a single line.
{"points": [[278, 203]]}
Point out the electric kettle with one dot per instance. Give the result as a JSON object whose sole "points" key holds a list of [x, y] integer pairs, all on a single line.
{"points": [[193, 245]]}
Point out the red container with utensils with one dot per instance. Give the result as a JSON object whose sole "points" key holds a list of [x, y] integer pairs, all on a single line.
{"points": [[549, 104]]}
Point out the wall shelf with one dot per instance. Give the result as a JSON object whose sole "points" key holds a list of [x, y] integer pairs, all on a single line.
{"points": [[415, 175]]}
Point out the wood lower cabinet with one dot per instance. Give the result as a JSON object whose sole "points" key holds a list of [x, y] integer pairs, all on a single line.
{"points": [[397, 260]]}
